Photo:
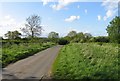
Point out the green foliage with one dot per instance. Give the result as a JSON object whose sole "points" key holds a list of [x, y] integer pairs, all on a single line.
{"points": [[78, 37], [63, 41], [0, 57], [100, 39], [72, 33], [55, 40], [113, 30], [14, 52], [13, 35], [26, 40], [53, 35], [87, 61]]}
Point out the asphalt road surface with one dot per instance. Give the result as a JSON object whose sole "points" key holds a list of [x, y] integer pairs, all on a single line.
{"points": [[33, 67]]}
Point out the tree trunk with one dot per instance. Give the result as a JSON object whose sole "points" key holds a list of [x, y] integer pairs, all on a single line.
{"points": [[32, 34]]}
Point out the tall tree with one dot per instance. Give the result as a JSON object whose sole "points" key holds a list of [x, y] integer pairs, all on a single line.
{"points": [[113, 30], [13, 34], [72, 33], [33, 26], [53, 35]]}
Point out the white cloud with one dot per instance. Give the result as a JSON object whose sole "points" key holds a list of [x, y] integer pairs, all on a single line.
{"points": [[66, 2], [45, 2], [72, 18], [62, 4], [86, 11], [110, 4], [111, 8], [109, 13], [57, 7], [7, 23], [99, 17]]}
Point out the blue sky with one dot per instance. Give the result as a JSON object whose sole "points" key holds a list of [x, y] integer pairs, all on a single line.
{"points": [[61, 17]]}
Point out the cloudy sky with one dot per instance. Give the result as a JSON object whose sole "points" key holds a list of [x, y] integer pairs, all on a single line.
{"points": [[60, 16]]}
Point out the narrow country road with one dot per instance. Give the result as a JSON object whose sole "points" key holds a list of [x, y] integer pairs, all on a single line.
{"points": [[33, 67]]}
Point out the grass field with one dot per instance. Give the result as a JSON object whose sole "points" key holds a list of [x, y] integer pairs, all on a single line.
{"points": [[14, 52], [87, 61]]}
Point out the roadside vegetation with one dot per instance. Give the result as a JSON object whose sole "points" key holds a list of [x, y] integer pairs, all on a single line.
{"points": [[87, 61], [15, 52]]}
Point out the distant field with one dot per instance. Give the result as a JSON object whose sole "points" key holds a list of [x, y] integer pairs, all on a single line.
{"points": [[15, 52], [87, 61]]}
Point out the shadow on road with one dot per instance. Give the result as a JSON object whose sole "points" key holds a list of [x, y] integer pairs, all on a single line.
{"points": [[7, 75]]}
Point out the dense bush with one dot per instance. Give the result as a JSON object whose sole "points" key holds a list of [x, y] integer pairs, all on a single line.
{"points": [[104, 39], [63, 41], [15, 52], [28, 40]]}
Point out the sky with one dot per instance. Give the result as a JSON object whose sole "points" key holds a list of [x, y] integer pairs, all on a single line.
{"points": [[61, 16]]}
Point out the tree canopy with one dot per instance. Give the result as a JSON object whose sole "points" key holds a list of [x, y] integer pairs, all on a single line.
{"points": [[113, 30], [72, 33], [53, 35], [33, 26], [13, 34]]}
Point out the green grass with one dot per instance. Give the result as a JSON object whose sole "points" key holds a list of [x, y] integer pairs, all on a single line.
{"points": [[14, 52], [0, 58], [87, 61]]}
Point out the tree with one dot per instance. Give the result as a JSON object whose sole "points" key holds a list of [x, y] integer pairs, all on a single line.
{"points": [[113, 30], [53, 35], [79, 37], [87, 36], [72, 33], [13, 35], [33, 26]]}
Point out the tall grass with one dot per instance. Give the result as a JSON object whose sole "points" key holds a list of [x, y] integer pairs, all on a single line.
{"points": [[87, 61], [15, 52]]}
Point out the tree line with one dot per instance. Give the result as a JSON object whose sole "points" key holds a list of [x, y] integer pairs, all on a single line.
{"points": [[33, 29]]}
